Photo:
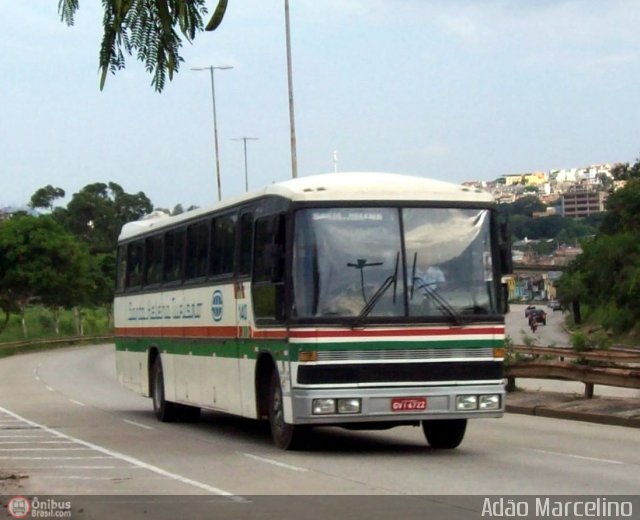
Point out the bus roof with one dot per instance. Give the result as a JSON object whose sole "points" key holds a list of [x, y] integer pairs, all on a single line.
{"points": [[342, 186]]}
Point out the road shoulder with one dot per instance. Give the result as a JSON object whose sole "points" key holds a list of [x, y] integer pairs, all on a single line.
{"points": [[602, 410]]}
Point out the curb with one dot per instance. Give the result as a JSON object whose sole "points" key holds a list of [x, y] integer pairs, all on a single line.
{"points": [[558, 413]]}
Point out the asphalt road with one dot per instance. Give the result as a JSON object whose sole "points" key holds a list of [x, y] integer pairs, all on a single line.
{"points": [[67, 427]]}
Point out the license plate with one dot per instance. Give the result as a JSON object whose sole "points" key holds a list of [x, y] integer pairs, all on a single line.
{"points": [[408, 404]]}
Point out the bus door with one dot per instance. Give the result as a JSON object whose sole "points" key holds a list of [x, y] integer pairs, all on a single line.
{"points": [[243, 374]]}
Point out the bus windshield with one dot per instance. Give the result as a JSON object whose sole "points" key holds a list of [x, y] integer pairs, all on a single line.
{"points": [[355, 263]]}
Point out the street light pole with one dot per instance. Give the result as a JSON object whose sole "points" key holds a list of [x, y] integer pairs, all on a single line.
{"points": [[211, 69], [246, 174], [292, 122]]}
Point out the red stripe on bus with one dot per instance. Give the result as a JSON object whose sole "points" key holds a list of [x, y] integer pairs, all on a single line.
{"points": [[177, 332], [233, 332]]}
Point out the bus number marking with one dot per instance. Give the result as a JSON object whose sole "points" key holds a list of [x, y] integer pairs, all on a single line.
{"points": [[243, 312]]}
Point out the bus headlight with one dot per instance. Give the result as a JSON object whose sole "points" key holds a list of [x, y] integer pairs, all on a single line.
{"points": [[323, 406], [349, 406], [466, 402], [489, 402]]}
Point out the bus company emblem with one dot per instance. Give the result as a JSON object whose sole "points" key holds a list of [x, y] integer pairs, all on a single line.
{"points": [[217, 305]]}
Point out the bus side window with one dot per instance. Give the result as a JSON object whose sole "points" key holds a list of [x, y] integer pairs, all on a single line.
{"points": [[268, 269], [197, 250], [173, 255], [153, 260], [223, 232], [245, 244], [135, 259], [121, 269]]}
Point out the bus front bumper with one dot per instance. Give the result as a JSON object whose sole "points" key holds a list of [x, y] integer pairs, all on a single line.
{"points": [[395, 404]]}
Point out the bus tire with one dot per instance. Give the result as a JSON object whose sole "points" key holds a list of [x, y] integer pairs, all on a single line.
{"points": [[285, 436], [188, 413], [163, 409], [444, 434]]}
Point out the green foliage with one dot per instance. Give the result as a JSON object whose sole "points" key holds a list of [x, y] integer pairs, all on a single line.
{"points": [[41, 324], [39, 258], [607, 273], [44, 197], [150, 28], [564, 230], [65, 259], [526, 206], [580, 342], [623, 210], [98, 211]]}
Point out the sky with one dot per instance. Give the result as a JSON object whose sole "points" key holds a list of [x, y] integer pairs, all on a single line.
{"points": [[454, 90]]}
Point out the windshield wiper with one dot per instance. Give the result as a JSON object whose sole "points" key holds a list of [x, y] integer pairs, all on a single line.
{"points": [[366, 310], [442, 304]]}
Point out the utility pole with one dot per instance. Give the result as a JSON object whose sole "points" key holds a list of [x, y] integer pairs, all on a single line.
{"points": [[292, 123], [246, 174]]}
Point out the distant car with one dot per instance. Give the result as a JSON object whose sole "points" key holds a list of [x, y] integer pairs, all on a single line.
{"points": [[529, 310], [539, 315], [555, 305]]}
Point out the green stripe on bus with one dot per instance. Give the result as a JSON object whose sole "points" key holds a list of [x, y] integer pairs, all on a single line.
{"points": [[251, 348]]}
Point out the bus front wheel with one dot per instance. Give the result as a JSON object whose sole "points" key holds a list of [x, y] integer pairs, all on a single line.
{"points": [[444, 434], [285, 436], [164, 410]]}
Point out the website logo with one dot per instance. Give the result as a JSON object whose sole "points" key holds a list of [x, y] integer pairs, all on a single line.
{"points": [[19, 507]]}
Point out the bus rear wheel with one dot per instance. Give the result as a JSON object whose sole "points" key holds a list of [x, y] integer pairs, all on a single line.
{"points": [[285, 436], [444, 434], [164, 410]]}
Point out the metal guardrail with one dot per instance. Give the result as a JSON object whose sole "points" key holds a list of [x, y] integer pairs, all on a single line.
{"points": [[41, 343], [613, 355], [616, 366]]}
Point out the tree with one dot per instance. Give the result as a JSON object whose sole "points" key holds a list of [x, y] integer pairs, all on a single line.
{"points": [[150, 28], [624, 172], [527, 206], [44, 197], [623, 209], [607, 273], [39, 258], [98, 211]]}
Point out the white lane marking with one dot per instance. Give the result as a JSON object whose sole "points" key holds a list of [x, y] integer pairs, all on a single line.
{"points": [[139, 425], [571, 456], [24, 468], [36, 442], [54, 458], [274, 462], [77, 402], [129, 459], [50, 388], [79, 477], [45, 449], [25, 436]]}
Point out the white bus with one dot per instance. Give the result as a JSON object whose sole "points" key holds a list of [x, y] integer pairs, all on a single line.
{"points": [[361, 300]]}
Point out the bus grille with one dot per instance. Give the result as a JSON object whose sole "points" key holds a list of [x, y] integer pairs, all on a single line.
{"points": [[429, 372]]}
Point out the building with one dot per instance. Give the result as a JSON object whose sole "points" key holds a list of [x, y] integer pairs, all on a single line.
{"points": [[582, 201], [525, 179]]}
